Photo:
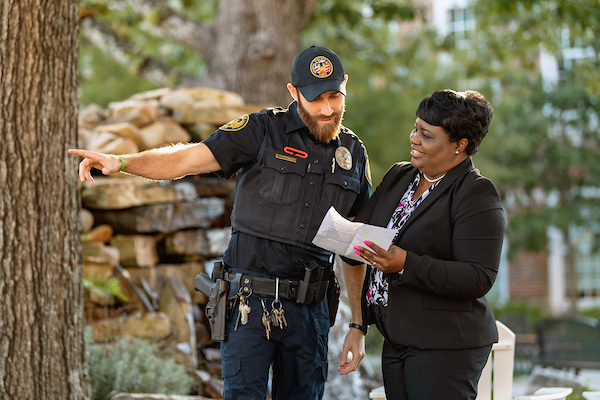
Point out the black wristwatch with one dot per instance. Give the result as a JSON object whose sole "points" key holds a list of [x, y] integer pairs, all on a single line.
{"points": [[355, 325]]}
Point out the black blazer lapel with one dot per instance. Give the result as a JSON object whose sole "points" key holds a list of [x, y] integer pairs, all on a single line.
{"points": [[461, 169], [390, 202]]}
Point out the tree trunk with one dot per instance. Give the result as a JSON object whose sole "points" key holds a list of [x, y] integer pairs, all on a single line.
{"points": [[254, 44], [42, 347], [571, 275]]}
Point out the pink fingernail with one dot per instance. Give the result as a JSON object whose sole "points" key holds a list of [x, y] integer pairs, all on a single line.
{"points": [[367, 243], [357, 252], [356, 248]]}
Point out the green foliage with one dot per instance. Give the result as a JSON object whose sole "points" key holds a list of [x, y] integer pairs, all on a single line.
{"points": [[353, 13], [133, 366], [535, 22], [102, 80], [104, 285], [544, 146], [531, 312], [543, 143], [374, 341], [592, 313]]}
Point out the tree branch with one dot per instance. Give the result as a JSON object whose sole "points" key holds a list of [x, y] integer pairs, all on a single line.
{"points": [[121, 51], [187, 32]]}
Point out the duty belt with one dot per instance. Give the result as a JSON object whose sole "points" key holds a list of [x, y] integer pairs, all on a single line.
{"points": [[311, 289], [288, 289]]}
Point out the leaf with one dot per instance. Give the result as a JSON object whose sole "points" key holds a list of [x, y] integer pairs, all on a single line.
{"points": [[103, 285]]}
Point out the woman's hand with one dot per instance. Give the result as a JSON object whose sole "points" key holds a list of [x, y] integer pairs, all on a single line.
{"points": [[391, 260]]}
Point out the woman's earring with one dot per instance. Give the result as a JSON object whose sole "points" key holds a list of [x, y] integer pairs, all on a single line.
{"points": [[456, 152]]}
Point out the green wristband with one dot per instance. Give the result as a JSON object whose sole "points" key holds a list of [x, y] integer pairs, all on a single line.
{"points": [[122, 164]]}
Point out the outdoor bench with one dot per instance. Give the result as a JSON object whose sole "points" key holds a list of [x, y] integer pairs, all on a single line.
{"points": [[569, 343]]}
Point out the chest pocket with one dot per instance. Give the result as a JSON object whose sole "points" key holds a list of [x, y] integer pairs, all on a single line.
{"points": [[339, 190], [281, 178]]}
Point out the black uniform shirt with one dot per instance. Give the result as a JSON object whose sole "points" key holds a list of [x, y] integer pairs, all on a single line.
{"points": [[286, 182]]}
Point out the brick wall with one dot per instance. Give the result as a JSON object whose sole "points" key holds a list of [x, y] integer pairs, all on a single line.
{"points": [[529, 278]]}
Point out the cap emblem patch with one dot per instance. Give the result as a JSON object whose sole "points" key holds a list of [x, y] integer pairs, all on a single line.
{"points": [[236, 124], [321, 67]]}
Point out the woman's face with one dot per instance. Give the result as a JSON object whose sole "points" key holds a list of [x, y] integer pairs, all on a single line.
{"points": [[432, 152]]}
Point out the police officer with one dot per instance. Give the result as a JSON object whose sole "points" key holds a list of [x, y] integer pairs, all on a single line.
{"points": [[292, 165]]}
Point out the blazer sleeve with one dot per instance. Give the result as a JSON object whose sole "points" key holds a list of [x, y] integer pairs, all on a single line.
{"points": [[476, 226]]}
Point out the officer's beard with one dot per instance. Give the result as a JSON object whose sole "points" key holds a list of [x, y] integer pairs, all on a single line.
{"points": [[323, 133]]}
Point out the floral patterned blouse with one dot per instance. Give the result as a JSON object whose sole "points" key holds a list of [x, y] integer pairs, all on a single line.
{"points": [[378, 283]]}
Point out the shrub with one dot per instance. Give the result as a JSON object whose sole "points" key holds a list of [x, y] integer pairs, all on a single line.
{"points": [[133, 366]]}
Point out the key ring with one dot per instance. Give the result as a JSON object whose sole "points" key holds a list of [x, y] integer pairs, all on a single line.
{"points": [[264, 307], [276, 301]]}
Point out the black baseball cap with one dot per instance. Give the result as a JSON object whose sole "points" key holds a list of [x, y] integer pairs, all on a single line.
{"points": [[317, 70]]}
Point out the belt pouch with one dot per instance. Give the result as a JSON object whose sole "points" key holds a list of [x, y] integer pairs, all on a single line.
{"points": [[307, 286], [322, 283]]}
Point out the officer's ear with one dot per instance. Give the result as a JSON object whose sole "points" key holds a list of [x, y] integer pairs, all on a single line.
{"points": [[293, 91]]}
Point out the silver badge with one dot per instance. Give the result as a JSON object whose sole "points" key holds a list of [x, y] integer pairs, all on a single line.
{"points": [[343, 158]]}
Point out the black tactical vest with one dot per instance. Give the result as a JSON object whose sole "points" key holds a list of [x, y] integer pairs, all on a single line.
{"points": [[287, 192]]}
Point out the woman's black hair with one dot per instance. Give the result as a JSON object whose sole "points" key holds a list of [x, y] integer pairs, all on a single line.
{"points": [[462, 114]]}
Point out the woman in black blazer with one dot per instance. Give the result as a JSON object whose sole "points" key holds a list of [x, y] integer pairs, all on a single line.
{"points": [[426, 292]]}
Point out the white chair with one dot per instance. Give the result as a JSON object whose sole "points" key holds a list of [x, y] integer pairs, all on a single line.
{"points": [[548, 393], [377, 393], [501, 361], [591, 395]]}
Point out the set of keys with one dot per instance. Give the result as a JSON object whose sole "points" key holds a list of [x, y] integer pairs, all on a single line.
{"points": [[277, 315], [244, 309], [274, 318]]}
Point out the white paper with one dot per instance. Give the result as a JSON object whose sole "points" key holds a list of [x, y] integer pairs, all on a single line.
{"points": [[340, 236]]}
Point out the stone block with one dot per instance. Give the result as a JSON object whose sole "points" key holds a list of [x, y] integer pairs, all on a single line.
{"points": [[140, 113], [125, 130], [136, 250], [131, 191], [163, 133], [97, 252], [164, 218]]}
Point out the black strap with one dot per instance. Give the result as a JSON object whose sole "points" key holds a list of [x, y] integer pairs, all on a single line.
{"points": [[287, 289]]}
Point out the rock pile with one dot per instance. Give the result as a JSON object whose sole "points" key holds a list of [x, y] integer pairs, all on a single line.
{"points": [[156, 236]]}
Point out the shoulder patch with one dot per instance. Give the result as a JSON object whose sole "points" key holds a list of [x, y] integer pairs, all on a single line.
{"points": [[236, 124], [368, 172]]}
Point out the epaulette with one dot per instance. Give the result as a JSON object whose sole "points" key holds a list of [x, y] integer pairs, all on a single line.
{"points": [[272, 110], [349, 132], [353, 135]]}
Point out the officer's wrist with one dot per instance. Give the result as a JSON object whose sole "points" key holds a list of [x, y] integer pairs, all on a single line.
{"points": [[356, 326]]}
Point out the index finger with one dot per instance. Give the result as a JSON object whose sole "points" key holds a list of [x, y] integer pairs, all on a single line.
{"points": [[78, 152], [374, 247]]}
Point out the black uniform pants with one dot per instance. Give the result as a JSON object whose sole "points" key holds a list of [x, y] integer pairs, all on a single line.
{"points": [[297, 353]]}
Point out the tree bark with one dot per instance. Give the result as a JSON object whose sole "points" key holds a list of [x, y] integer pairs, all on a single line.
{"points": [[254, 44], [572, 274], [42, 346]]}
